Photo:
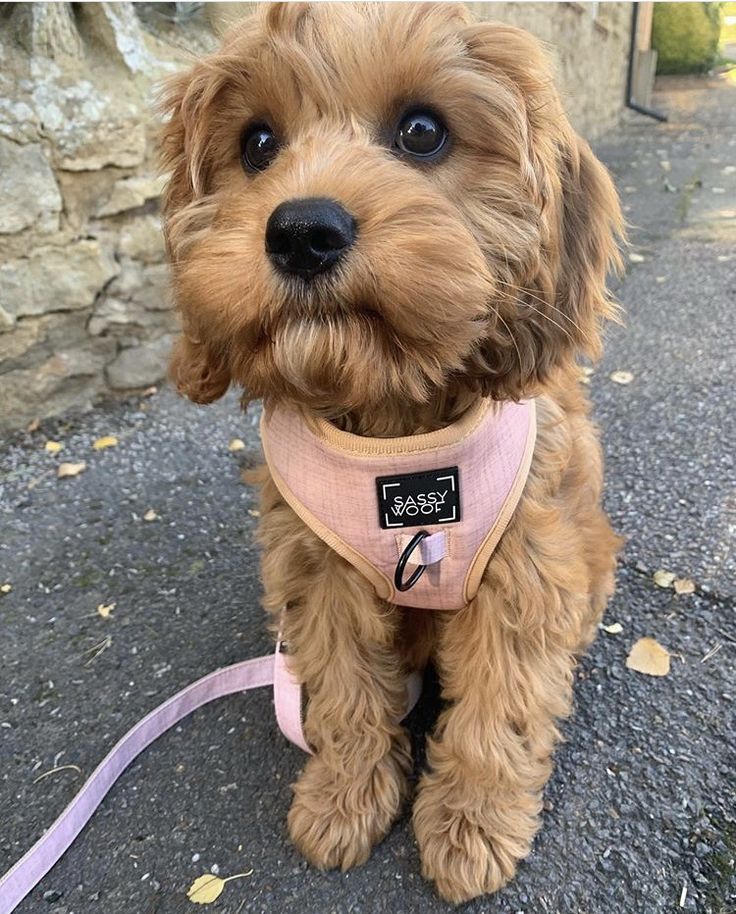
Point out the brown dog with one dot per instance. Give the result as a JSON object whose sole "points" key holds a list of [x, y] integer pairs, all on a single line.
{"points": [[467, 238]]}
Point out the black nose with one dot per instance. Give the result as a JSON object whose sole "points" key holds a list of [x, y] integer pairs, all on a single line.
{"points": [[306, 237]]}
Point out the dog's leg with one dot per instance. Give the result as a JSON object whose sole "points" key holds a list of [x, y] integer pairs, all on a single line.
{"points": [[342, 642], [506, 669]]}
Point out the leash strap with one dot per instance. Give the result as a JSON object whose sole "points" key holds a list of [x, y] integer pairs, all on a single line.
{"points": [[240, 677], [287, 700]]}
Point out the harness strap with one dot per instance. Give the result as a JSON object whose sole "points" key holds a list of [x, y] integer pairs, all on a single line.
{"points": [[240, 677]]}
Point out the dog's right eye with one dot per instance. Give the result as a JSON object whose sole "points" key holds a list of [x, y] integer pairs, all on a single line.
{"points": [[421, 134], [258, 147]]}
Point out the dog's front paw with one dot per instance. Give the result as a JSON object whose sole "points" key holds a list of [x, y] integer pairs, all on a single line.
{"points": [[468, 849], [336, 819]]}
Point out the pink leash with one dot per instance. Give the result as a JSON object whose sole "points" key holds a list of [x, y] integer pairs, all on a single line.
{"points": [[240, 677]]}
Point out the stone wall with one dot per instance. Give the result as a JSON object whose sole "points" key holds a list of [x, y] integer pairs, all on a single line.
{"points": [[84, 304], [589, 43]]}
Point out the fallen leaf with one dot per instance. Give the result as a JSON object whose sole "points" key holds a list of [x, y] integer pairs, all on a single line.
{"points": [[208, 888], [150, 515], [53, 447], [664, 578], [6, 588], [649, 657], [71, 469], [104, 609], [684, 585], [254, 512], [106, 441], [236, 445], [635, 258], [33, 425], [615, 628], [149, 391], [621, 377]]}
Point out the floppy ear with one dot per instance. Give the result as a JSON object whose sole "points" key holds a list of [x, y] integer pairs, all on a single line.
{"points": [[186, 136], [197, 372], [553, 302], [590, 230], [189, 102]]}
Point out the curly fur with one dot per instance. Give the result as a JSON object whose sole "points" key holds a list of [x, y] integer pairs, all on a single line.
{"points": [[483, 273]]}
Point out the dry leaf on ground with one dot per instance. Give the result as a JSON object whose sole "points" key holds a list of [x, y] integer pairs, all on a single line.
{"points": [[254, 512], [621, 377], [71, 469], [664, 578], [33, 425], [106, 441], [53, 447], [150, 515], [615, 628], [636, 258], [104, 609], [208, 888], [236, 445], [684, 585], [649, 657], [6, 588]]}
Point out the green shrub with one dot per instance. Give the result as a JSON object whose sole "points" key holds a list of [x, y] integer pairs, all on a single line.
{"points": [[685, 36]]}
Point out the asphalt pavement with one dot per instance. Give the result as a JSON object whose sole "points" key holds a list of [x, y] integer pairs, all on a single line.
{"points": [[640, 815]]}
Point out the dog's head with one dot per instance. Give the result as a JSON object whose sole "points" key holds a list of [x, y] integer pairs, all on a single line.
{"points": [[374, 202]]}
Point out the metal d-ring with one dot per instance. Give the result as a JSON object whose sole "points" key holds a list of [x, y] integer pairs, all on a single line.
{"points": [[399, 583]]}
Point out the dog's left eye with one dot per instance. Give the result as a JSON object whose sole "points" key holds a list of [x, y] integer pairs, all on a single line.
{"points": [[258, 147], [421, 134]]}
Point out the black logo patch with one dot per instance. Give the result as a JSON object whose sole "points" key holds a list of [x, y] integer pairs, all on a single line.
{"points": [[414, 499]]}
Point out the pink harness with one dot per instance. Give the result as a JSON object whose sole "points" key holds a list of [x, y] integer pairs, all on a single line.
{"points": [[375, 502], [370, 498]]}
